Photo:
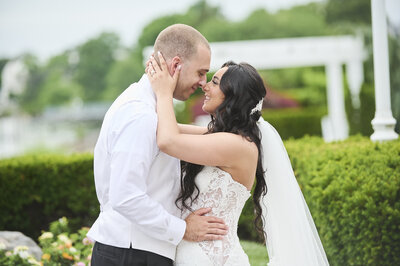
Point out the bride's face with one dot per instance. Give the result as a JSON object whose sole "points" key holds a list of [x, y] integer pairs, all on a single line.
{"points": [[213, 93]]}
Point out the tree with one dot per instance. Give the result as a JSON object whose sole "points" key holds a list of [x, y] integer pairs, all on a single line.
{"points": [[96, 57], [196, 16], [298, 21], [123, 73], [51, 84], [3, 62], [59, 88], [354, 11], [28, 100]]}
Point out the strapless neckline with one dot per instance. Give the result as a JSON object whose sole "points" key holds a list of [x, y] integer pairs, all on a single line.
{"points": [[228, 175]]}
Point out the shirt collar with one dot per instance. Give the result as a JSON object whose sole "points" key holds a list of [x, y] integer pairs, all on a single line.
{"points": [[146, 91]]}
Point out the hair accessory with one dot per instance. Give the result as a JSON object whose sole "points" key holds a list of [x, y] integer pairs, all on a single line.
{"points": [[258, 107]]}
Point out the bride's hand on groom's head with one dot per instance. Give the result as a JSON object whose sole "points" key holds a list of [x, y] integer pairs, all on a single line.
{"points": [[161, 80], [204, 228]]}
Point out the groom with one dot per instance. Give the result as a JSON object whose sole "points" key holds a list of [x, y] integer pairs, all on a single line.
{"points": [[136, 183]]}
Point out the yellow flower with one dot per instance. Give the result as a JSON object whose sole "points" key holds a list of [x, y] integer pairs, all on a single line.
{"points": [[63, 221], [22, 251], [46, 256], [63, 238], [33, 261], [67, 256], [46, 235], [20, 248]]}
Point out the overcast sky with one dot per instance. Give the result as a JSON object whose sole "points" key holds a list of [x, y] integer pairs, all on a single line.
{"points": [[48, 27]]}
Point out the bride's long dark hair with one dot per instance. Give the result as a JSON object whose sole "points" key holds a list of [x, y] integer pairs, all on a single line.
{"points": [[243, 89]]}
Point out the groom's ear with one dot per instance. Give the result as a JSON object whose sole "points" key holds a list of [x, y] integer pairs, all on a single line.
{"points": [[175, 62]]}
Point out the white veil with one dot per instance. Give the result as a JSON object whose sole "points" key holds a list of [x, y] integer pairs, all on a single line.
{"points": [[291, 236]]}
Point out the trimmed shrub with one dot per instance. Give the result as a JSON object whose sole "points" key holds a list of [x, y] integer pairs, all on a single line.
{"points": [[36, 190], [295, 123], [353, 191]]}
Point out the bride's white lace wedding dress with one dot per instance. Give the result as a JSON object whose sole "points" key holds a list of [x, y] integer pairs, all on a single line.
{"points": [[226, 197]]}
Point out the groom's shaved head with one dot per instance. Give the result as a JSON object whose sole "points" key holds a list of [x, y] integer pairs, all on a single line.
{"points": [[179, 40]]}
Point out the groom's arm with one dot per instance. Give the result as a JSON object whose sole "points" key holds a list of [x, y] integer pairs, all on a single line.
{"points": [[133, 150]]}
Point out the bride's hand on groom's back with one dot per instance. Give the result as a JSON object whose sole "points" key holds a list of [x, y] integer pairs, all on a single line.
{"points": [[201, 228]]}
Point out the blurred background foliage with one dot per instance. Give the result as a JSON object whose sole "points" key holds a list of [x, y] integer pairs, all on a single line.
{"points": [[101, 68]]}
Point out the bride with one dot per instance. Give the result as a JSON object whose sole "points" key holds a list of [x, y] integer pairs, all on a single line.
{"points": [[222, 163]]}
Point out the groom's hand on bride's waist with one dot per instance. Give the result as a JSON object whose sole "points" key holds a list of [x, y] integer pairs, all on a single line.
{"points": [[200, 227]]}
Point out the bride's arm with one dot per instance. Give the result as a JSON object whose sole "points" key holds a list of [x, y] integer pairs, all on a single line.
{"points": [[217, 149], [191, 129]]}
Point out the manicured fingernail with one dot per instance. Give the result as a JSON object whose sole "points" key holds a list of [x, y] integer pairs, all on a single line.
{"points": [[179, 67], [159, 53]]}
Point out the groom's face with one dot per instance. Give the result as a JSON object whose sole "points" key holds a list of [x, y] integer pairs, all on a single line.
{"points": [[193, 73]]}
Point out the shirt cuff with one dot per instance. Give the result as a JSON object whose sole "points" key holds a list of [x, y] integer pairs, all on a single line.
{"points": [[176, 230]]}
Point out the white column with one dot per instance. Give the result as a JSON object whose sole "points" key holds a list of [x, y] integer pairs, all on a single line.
{"points": [[336, 110], [355, 78], [383, 123]]}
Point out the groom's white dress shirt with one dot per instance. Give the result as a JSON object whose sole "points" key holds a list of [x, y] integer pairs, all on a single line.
{"points": [[136, 183]]}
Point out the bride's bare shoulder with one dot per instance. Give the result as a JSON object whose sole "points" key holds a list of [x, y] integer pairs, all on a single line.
{"points": [[238, 142]]}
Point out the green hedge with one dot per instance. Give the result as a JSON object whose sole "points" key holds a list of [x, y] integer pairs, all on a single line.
{"points": [[353, 191], [36, 190], [295, 123]]}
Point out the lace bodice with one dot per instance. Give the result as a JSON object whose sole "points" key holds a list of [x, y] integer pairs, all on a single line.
{"points": [[226, 198]]}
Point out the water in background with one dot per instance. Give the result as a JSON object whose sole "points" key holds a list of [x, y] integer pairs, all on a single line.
{"points": [[61, 130]]}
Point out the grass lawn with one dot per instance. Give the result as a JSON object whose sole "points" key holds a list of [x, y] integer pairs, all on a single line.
{"points": [[257, 253]]}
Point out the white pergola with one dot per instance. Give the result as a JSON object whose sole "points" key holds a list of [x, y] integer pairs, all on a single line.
{"points": [[332, 52], [383, 122]]}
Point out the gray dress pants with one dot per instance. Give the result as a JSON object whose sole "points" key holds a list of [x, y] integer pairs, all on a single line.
{"points": [[105, 255]]}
